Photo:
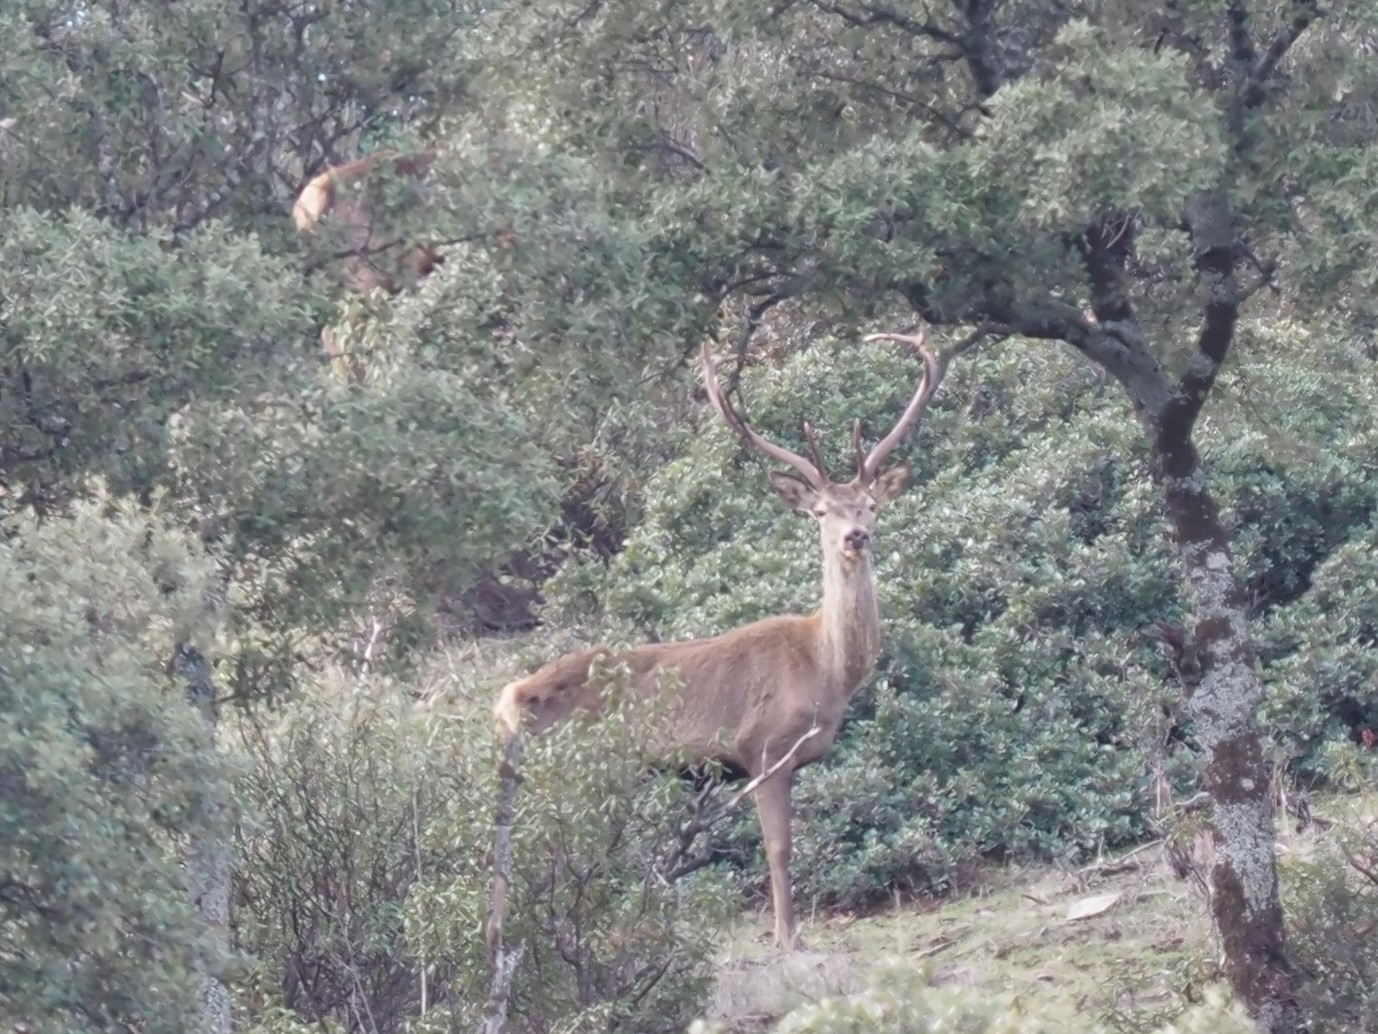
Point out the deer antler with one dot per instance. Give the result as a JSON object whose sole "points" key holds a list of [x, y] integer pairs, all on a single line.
{"points": [[813, 473], [866, 468]]}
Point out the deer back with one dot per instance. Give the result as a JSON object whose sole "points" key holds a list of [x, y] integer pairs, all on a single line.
{"points": [[366, 203], [740, 694]]}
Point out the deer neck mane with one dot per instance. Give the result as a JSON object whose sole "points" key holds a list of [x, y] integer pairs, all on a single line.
{"points": [[849, 621]]}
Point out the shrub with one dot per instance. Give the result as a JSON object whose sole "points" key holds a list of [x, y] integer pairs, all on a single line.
{"points": [[1018, 707], [1332, 916], [366, 872], [106, 777]]}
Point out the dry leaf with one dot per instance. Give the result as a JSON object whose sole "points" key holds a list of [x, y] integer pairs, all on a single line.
{"points": [[1093, 906]]}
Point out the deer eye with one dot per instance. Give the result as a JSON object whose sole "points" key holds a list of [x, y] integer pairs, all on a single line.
{"points": [[819, 512]]}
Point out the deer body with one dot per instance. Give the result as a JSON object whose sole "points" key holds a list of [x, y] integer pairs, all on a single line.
{"points": [[764, 684], [751, 696], [352, 198]]}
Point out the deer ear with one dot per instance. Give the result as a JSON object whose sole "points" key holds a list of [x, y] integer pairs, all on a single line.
{"points": [[797, 495], [890, 483]]}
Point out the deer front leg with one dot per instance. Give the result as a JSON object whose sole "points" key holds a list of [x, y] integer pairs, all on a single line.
{"points": [[773, 808]]}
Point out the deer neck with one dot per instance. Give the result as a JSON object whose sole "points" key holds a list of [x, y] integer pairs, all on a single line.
{"points": [[849, 623]]}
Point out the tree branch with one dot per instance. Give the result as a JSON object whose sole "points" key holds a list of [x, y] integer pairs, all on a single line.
{"points": [[1241, 41], [1105, 248], [1253, 91], [708, 813], [1304, 12], [905, 98], [495, 1009], [979, 44], [879, 14], [1210, 220]]}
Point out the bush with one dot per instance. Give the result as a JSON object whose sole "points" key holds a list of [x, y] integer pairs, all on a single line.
{"points": [[106, 777], [366, 873], [1332, 915], [1018, 708]]}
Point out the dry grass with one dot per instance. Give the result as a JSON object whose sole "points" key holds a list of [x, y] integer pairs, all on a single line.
{"points": [[1137, 957]]}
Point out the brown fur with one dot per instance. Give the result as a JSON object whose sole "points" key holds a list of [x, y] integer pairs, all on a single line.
{"points": [[749, 696], [346, 194]]}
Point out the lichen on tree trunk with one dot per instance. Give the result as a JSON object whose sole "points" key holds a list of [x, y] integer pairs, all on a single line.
{"points": [[1244, 888], [208, 855]]}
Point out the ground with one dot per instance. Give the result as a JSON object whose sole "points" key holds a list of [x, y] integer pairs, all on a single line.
{"points": [[1123, 939]]}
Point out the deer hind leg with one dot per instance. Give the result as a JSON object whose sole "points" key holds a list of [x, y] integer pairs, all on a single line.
{"points": [[773, 807]]}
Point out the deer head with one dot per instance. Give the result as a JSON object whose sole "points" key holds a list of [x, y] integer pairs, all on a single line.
{"points": [[845, 510]]}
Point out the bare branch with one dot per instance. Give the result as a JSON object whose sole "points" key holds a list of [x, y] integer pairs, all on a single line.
{"points": [[1304, 12], [999, 331], [1253, 91], [906, 98], [679, 150], [879, 14], [788, 756], [709, 812]]}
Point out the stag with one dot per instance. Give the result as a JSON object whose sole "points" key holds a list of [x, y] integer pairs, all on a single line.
{"points": [[766, 698], [353, 198]]}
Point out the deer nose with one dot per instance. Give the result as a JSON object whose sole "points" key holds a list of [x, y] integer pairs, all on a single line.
{"points": [[857, 539]]}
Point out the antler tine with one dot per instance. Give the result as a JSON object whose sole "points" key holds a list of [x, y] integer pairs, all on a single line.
{"points": [[866, 469], [814, 476], [856, 445], [811, 436]]}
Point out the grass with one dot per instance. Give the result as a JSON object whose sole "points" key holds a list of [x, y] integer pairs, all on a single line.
{"points": [[1140, 953], [1011, 934]]}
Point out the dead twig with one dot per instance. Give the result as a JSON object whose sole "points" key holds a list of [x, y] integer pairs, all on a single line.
{"points": [[1124, 863], [933, 949]]}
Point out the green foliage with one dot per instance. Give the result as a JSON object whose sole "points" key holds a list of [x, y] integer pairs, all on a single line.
{"points": [[151, 329], [1058, 135], [1018, 710], [358, 796], [1332, 912], [621, 177], [1323, 687], [107, 775], [180, 112]]}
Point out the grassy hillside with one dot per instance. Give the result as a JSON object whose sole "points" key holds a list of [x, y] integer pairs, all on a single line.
{"points": [[1124, 940]]}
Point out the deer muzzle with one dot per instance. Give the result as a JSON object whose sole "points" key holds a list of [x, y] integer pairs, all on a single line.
{"points": [[857, 539]]}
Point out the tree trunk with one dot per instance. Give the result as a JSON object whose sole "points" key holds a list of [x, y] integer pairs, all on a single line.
{"points": [[1244, 887], [208, 857]]}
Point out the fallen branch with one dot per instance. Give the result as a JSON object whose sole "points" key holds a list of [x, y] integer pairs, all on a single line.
{"points": [[1124, 863], [942, 944]]}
